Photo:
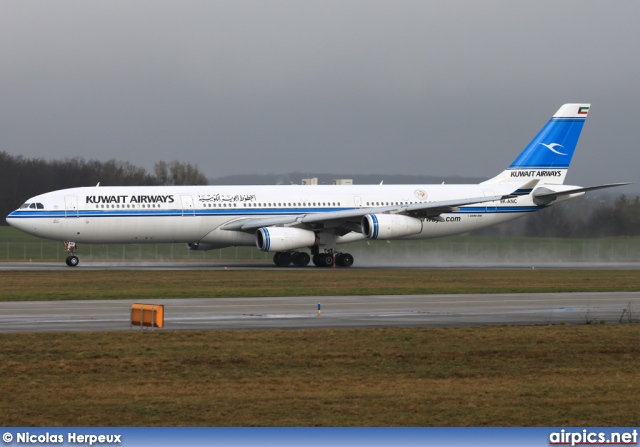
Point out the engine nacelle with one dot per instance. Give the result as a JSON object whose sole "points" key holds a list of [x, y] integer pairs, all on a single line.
{"points": [[199, 246], [389, 226], [283, 238]]}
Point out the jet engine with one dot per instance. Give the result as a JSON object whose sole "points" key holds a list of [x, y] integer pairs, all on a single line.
{"points": [[283, 238], [389, 226]]}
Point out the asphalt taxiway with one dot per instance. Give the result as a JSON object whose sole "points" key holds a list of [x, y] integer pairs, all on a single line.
{"points": [[361, 264], [336, 312]]}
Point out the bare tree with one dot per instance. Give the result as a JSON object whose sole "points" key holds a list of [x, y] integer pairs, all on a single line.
{"points": [[177, 173]]}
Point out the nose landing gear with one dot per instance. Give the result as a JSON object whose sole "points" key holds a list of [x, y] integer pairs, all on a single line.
{"points": [[72, 260]]}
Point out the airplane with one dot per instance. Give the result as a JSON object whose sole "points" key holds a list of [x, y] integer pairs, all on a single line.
{"points": [[286, 219]]}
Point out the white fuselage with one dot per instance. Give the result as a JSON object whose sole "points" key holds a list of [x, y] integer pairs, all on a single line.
{"points": [[157, 214]]}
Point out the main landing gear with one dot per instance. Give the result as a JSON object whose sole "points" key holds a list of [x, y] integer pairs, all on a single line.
{"points": [[298, 258], [72, 260], [301, 259]]}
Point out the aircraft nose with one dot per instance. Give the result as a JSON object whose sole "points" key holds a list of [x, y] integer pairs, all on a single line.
{"points": [[10, 219], [19, 223]]}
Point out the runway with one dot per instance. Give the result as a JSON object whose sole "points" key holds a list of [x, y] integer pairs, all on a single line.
{"points": [[336, 312], [363, 264]]}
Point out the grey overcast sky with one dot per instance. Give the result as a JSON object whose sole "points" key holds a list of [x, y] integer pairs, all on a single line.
{"points": [[396, 87]]}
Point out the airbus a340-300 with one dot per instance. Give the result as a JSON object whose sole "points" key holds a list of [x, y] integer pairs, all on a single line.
{"points": [[289, 219]]}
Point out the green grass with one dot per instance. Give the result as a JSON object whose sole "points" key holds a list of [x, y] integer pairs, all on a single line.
{"points": [[72, 284], [505, 376]]}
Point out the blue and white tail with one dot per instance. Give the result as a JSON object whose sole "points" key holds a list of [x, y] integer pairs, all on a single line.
{"points": [[549, 154]]}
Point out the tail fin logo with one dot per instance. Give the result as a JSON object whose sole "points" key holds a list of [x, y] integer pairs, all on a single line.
{"points": [[552, 147]]}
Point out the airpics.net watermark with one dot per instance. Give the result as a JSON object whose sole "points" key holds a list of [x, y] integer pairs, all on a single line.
{"points": [[70, 438], [592, 437]]}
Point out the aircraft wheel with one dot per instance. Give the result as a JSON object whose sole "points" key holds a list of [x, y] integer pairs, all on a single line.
{"points": [[72, 261], [301, 258], [344, 260], [317, 261], [326, 260], [282, 258]]}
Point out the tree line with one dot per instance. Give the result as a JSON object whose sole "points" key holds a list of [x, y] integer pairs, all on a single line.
{"points": [[591, 215], [21, 178]]}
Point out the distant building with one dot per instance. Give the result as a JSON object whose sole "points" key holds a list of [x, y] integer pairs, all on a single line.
{"points": [[337, 181], [343, 181]]}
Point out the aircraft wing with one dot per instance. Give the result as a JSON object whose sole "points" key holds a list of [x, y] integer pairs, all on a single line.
{"points": [[334, 218]]}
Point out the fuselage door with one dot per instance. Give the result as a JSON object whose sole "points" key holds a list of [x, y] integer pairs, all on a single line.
{"points": [[70, 206], [357, 201], [187, 206]]}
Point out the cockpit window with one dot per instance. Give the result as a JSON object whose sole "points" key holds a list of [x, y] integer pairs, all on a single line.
{"points": [[32, 206]]}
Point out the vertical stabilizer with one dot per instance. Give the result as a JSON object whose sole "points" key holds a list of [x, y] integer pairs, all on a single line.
{"points": [[549, 154]]}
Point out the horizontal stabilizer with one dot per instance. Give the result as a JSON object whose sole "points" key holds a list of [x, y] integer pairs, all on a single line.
{"points": [[544, 196]]}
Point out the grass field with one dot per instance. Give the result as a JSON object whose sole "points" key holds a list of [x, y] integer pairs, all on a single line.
{"points": [[541, 375], [72, 284], [506, 376]]}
